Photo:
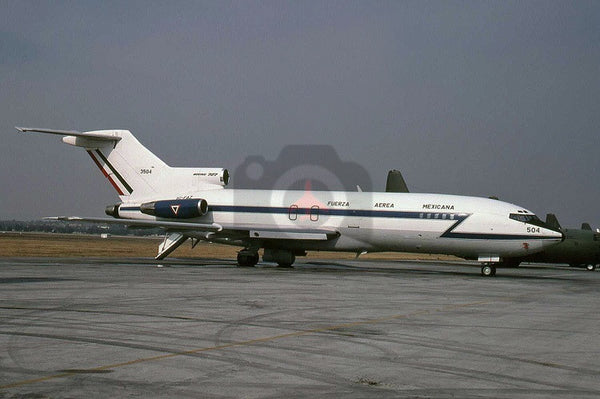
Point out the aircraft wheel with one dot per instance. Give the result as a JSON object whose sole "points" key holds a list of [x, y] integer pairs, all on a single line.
{"points": [[287, 263], [488, 270], [591, 267], [246, 258]]}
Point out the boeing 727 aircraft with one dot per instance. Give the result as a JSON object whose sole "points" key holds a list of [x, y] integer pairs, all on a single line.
{"points": [[193, 203]]}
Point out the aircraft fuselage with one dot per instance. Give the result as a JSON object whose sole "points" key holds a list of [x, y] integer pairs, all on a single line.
{"points": [[469, 227]]}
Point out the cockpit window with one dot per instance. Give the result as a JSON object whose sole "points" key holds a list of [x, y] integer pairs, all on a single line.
{"points": [[531, 219]]}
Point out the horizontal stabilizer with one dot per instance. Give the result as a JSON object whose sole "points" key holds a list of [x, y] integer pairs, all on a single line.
{"points": [[95, 136], [174, 226]]}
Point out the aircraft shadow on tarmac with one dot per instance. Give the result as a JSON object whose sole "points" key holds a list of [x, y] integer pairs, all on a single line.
{"points": [[22, 280], [408, 268]]}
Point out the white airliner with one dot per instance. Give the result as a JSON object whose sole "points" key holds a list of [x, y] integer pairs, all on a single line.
{"points": [[192, 203]]}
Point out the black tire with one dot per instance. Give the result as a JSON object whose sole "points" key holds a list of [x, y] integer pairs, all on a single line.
{"points": [[488, 270], [247, 259], [287, 264], [591, 267]]}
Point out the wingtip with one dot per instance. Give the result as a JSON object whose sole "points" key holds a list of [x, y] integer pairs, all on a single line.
{"points": [[61, 218]]}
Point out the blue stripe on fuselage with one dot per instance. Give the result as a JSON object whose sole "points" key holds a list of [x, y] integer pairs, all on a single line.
{"points": [[328, 212], [458, 218]]}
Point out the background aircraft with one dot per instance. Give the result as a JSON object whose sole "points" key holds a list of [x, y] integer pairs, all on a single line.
{"points": [[395, 182], [581, 247]]}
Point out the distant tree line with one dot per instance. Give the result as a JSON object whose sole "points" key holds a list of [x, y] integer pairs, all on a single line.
{"points": [[55, 226]]}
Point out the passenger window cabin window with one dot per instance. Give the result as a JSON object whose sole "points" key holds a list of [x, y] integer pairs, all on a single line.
{"points": [[314, 213], [293, 212]]}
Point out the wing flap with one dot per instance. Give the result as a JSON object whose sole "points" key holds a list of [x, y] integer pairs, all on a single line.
{"points": [[278, 233], [289, 235]]}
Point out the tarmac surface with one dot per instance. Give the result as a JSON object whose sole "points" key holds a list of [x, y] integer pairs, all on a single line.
{"points": [[355, 329]]}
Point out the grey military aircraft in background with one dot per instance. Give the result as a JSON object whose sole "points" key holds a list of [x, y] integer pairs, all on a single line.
{"points": [[581, 247], [395, 182]]}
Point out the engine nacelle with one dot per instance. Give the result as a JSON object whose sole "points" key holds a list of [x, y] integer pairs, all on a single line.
{"points": [[113, 210], [176, 209], [218, 176]]}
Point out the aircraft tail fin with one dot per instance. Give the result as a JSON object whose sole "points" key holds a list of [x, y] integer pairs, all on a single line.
{"points": [[552, 221], [586, 226], [395, 182], [133, 170]]}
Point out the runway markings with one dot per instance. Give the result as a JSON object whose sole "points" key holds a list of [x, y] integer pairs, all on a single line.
{"points": [[100, 369]]}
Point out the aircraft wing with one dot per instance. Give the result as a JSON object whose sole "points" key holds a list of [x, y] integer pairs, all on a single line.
{"points": [[179, 232], [239, 232], [175, 226]]}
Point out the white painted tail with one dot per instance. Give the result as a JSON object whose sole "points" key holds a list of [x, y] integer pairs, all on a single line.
{"points": [[134, 171]]}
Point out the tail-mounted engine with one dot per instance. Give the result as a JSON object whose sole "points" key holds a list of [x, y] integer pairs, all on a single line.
{"points": [[218, 176], [176, 209], [113, 210]]}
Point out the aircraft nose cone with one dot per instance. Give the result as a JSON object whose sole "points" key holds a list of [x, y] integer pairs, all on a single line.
{"points": [[556, 232]]}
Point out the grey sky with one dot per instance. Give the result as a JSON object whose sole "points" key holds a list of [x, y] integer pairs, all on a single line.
{"points": [[476, 98]]}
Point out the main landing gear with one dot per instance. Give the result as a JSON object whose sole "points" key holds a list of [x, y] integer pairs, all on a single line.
{"points": [[247, 258], [284, 258]]}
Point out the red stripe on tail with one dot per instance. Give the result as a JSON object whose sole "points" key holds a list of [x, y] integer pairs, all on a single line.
{"points": [[105, 174]]}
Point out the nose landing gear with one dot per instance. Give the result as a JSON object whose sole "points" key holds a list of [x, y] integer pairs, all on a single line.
{"points": [[488, 270]]}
